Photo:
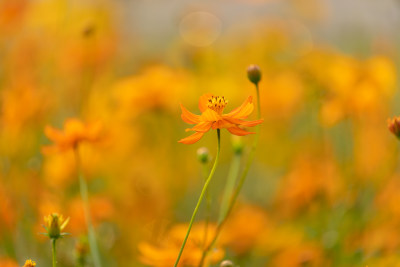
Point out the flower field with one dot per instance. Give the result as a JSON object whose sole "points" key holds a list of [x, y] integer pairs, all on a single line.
{"points": [[257, 133]]}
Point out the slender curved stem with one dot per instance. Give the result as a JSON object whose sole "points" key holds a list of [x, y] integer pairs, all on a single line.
{"points": [[230, 186], [208, 206], [53, 246], [85, 199], [239, 186], [203, 191]]}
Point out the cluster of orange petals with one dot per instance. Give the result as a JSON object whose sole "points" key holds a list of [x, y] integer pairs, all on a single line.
{"points": [[212, 118], [164, 253], [74, 132]]}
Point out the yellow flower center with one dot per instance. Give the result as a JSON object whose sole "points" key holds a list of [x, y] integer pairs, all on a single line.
{"points": [[217, 103]]}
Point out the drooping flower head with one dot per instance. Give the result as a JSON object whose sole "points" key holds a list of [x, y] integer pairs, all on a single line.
{"points": [[212, 117], [74, 132], [394, 126], [29, 263], [54, 224]]}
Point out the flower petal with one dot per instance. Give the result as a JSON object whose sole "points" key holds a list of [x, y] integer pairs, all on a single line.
{"points": [[202, 127], [242, 122], [203, 101], [188, 116], [243, 111], [191, 139], [54, 134], [238, 131], [210, 115], [220, 124], [251, 123]]}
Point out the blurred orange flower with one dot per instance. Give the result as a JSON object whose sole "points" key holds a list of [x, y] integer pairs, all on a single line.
{"points": [[75, 132], [212, 107], [164, 253], [243, 229], [8, 262]]}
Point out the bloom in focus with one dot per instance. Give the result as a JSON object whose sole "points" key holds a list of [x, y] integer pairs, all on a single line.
{"points": [[75, 131], [212, 118], [394, 126], [54, 224], [29, 263]]}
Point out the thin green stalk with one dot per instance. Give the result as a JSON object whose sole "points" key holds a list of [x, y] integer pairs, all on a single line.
{"points": [[230, 185], [208, 205], [85, 198], [239, 186], [53, 246], [203, 191]]}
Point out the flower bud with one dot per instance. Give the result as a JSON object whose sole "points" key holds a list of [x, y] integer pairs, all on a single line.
{"points": [[203, 155], [226, 263], [54, 224], [82, 250], [237, 144], [29, 263], [254, 73], [394, 126]]}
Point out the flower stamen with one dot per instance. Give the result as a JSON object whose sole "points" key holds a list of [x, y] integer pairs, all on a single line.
{"points": [[217, 103]]}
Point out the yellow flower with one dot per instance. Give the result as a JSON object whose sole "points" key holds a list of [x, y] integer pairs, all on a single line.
{"points": [[212, 107], [75, 132], [29, 263], [54, 224]]}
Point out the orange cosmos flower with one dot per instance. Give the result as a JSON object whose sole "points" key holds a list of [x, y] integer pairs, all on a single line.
{"points": [[212, 118], [75, 131]]}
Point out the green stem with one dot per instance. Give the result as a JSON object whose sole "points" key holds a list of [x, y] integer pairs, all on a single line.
{"points": [[85, 198], [239, 186], [53, 246], [208, 206], [229, 186], [203, 191]]}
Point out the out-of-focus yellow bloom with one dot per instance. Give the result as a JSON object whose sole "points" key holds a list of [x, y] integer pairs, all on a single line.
{"points": [[164, 253], [156, 87], [298, 256], [351, 87], [29, 263], [54, 224], [380, 237], [388, 199], [289, 246], [242, 230], [101, 209], [311, 177], [75, 132], [284, 96], [212, 107]]}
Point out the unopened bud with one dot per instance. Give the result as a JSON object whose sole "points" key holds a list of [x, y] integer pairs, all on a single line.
{"points": [[226, 263], [237, 144], [254, 74], [54, 224], [82, 250], [203, 155], [394, 126], [88, 30]]}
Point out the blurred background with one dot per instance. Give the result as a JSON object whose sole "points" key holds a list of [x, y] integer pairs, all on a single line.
{"points": [[324, 189]]}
